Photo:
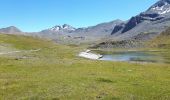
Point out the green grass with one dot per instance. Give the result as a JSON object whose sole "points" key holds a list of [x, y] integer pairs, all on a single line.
{"points": [[56, 73]]}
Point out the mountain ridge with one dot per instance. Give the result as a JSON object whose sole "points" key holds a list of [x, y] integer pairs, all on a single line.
{"points": [[157, 17], [154, 20]]}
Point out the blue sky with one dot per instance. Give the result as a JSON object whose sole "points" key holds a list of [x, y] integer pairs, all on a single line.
{"points": [[35, 15]]}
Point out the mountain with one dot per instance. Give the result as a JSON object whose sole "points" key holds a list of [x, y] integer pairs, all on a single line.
{"points": [[141, 28], [63, 28], [10, 30], [155, 20], [100, 30], [69, 34]]}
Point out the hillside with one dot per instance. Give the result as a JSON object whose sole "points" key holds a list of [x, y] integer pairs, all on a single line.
{"points": [[143, 40], [161, 41], [46, 70]]}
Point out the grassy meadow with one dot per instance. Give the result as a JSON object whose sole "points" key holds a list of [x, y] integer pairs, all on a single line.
{"points": [[55, 72]]}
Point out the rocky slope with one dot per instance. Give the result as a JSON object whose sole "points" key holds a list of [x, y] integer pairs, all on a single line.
{"points": [[149, 40], [141, 28], [155, 20]]}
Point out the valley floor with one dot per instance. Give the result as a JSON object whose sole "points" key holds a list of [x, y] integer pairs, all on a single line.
{"points": [[56, 72]]}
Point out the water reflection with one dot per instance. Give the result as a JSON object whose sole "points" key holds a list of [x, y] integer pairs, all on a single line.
{"points": [[135, 56]]}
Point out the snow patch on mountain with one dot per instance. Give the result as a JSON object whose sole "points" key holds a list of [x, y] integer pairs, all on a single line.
{"points": [[165, 11], [62, 28], [161, 7]]}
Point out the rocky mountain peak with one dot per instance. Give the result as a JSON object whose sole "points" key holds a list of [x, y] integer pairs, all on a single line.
{"points": [[161, 7], [65, 27], [68, 27]]}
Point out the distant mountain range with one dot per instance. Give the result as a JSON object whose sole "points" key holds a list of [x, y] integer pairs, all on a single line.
{"points": [[144, 26], [68, 34]]}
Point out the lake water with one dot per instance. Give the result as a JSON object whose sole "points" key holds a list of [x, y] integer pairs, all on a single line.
{"points": [[134, 56]]}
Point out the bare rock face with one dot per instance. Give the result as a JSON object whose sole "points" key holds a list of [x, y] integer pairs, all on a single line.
{"points": [[117, 28]]}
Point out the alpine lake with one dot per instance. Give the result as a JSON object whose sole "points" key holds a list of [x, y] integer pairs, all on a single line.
{"points": [[135, 56]]}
